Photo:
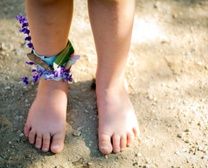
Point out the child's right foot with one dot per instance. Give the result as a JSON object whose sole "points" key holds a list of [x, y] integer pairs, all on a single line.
{"points": [[45, 125], [118, 125]]}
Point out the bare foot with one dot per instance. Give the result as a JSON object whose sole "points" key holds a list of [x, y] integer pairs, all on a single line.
{"points": [[45, 125], [118, 125]]}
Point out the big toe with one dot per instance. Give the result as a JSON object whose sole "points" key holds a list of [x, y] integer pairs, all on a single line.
{"points": [[105, 145], [57, 143]]}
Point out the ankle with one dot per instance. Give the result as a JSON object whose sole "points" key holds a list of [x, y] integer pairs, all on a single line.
{"points": [[50, 88], [53, 84], [111, 82], [112, 88]]}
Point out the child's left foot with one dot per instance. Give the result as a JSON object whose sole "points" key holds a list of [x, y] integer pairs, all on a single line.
{"points": [[118, 125], [45, 125]]}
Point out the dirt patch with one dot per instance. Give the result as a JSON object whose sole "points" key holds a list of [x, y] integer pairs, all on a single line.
{"points": [[168, 80]]}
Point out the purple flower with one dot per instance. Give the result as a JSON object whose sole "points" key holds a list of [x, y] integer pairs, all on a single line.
{"points": [[25, 80], [21, 19], [56, 74], [35, 78], [59, 74], [25, 30]]}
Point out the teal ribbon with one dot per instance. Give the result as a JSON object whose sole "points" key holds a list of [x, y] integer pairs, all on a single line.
{"points": [[49, 60]]}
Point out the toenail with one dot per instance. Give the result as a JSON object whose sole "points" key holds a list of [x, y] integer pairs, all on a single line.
{"points": [[104, 149], [122, 149], [37, 146], [55, 146], [116, 151], [45, 150]]}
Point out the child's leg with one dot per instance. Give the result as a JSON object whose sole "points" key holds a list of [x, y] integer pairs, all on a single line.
{"points": [[111, 22], [49, 22]]}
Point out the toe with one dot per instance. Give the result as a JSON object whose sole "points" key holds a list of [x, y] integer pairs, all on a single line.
{"points": [[32, 136], [57, 143], [116, 143], [105, 145], [38, 142], [130, 138], [123, 142], [137, 134], [46, 142], [26, 130]]}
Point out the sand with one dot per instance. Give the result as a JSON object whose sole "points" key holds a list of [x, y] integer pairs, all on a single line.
{"points": [[167, 74]]}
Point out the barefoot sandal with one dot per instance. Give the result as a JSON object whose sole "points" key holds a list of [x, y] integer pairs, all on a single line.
{"points": [[49, 68]]}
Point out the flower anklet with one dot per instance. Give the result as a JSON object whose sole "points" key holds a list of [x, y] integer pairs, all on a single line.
{"points": [[56, 67]]}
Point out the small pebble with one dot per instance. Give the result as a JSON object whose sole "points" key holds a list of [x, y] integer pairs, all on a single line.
{"points": [[135, 164], [86, 111], [138, 155], [2, 46], [186, 141], [179, 136], [21, 135], [7, 88], [150, 97], [79, 128], [186, 130], [174, 16], [89, 163], [76, 133]]}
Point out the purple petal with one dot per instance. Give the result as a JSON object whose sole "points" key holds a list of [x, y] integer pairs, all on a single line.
{"points": [[25, 80], [25, 24], [29, 62], [30, 45], [25, 31], [35, 78], [28, 38]]}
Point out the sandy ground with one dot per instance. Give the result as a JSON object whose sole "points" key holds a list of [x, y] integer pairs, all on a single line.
{"points": [[168, 80]]}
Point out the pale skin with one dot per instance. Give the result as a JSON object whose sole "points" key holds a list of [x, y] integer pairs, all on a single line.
{"points": [[111, 22]]}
